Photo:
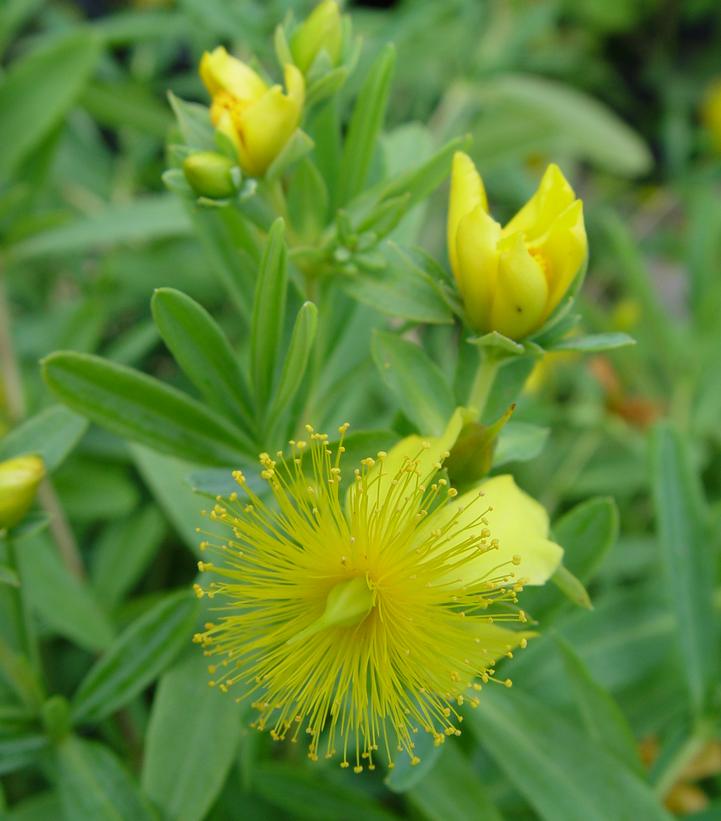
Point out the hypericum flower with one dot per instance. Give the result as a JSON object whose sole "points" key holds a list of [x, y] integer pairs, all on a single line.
{"points": [[361, 618], [511, 278], [258, 119], [19, 480], [322, 30]]}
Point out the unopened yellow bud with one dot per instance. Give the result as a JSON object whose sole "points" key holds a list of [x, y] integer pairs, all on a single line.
{"points": [[512, 278], [322, 30], [257, 119], [19, 480], [209, 174]]}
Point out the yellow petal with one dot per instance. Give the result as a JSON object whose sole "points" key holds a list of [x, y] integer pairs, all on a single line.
{"points": [[466, 193], [564, 249], [419, 453], [225, 124], [477, 257], [553, 196], [267, 125], [516, 520], [19, 480], [219, 71], [521, 290]]}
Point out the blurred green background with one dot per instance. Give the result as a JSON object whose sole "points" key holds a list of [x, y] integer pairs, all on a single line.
{"points": [[620, 93]]}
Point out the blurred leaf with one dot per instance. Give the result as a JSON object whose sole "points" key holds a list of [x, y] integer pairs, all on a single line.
{"points": [[52, 434], [296, 359], [127, 105], [594, 343], [194, 123], [148, 218], [404, 775], [571, 587], [557, 770], [417, 382], [365, 125], [295, 149], [92, 783], [20, 750], [9, 576], [38, 90], [519, 442], [136, 657], [681, 525], [602, 717], [38, 807], [304, 794], [202, 350], [124, 551], [143, 409], [585, 125], [452, 791], [62, 601], [186, 761], [268, 314]]}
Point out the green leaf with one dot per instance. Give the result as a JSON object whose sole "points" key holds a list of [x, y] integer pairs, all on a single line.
{"points": [[148, 218], [416, 381], [519, 442], [92, 783], [202, 350], [586, 534], [557, 770], [38, 807], [365, 125], [571, 587], [194, 123], [268, 314], [681, 524], [124, 551], [142, 409], [594, 343], [297, 147], [186, 761], [602, 717], [452, 790], [304, 794], [296, 358], [20, 750], [136, 657], [127, 105], [584, 125], [9, 576], [62, 601], [496, 340], [38, 91], [404, 775], [51, 434]]}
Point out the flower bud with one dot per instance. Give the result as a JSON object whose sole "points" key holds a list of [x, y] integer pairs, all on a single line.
{"points": [[711, 112], [209, 174], [512, 278], [257, 119], [19, 480], [322, 30]]}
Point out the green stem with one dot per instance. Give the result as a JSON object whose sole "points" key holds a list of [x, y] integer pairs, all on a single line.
{"points": [[685, 754], [483, 382]]}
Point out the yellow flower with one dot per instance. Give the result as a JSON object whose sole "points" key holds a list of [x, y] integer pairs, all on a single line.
{"points": [[19, 480], [322, 30], [711, 112], [257, 119], [359, 618], [511, 278]]}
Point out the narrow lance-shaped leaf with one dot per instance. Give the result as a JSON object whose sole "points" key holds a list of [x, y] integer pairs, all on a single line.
{"points": [[143, 409], [136, 657], [365, 125], [680, 520], [415, 380], [268, 315], [51, 434], [296, 358], [202, 350]]}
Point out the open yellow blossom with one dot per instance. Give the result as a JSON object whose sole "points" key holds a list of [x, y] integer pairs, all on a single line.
{"points": [[511, 278], [360, 618], [19, 480], [258, 119]]}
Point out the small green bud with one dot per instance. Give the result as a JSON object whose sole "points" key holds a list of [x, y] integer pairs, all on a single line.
{"points": [[322, 30], [210, 174], [56, 718], [19, 480], [471, 457]]}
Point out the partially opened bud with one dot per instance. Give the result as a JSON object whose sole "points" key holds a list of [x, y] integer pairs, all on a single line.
{"points": [[322, 30], [19, 480], [513, 277], [210, 174]]}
